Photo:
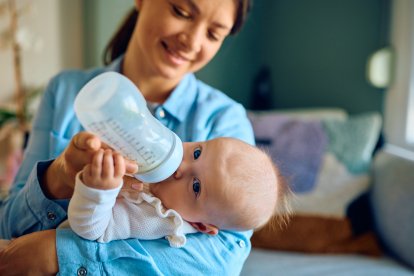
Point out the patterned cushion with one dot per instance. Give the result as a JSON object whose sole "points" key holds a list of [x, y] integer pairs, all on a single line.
{"points": [[326, 163]]}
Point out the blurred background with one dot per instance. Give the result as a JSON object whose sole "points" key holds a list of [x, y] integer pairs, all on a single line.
{"points": [[355, 55], [313, 53]]}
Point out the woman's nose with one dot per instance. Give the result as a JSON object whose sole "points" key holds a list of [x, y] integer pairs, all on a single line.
{"points": [[191, 40]]}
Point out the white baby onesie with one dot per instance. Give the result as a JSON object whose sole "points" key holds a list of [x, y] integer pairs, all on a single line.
{"points": [[106, 215]]}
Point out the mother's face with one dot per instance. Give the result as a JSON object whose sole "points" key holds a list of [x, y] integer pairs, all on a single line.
{"points": [[174, 37]]}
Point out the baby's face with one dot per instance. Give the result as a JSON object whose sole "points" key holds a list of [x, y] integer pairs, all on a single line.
{"points": [[195, 186]]}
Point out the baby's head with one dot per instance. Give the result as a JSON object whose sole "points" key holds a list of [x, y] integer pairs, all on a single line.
{"points": [[225, 184]]}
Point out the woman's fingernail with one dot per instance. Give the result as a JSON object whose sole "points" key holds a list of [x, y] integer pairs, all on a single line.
{"points": [[92, 143], [135, 168], [136, 186]]}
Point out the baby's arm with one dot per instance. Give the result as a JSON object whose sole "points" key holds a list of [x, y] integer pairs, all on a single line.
{"points": [[100, 215], [96, 189], [97, 213]]}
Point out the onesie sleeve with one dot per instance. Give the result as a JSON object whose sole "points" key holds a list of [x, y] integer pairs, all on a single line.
{"points": [[90, 210]]}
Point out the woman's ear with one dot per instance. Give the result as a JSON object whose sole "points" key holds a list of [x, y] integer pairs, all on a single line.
{"points": [[205, 228]]}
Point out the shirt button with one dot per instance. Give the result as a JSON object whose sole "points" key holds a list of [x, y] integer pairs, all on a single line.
{"points": [[82, 271], [51, 216], [161, 113], [241, 243]]}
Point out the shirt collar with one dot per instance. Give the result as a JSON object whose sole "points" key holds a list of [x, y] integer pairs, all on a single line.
{"points": [[179, 103]]}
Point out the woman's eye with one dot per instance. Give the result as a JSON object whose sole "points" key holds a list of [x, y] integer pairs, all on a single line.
{"points": [[196, 153], [180, 12], [196, 187], [213, 36]]}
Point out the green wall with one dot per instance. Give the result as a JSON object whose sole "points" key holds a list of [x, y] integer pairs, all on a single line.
{"points": [[102, 18], [316, 50]]}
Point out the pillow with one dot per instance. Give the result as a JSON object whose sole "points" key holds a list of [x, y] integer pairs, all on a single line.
{"points": [[326, 162], [391, 198]]}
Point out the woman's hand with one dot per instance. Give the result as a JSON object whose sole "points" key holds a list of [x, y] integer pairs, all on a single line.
{"points": [[59, 179], [31, 254], [132, 187], [132, 184]]}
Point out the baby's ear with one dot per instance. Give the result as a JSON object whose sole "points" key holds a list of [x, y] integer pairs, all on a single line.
{"points": [[205, 228]]}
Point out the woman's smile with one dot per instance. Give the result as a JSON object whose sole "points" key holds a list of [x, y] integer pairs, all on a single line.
{"points": [[173, 56]]}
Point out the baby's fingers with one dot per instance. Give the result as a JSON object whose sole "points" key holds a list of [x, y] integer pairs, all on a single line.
{"points": [[120, 165], [96, 165], [108, 164]]}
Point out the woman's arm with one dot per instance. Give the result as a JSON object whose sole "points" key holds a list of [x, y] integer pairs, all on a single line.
{"points": [[36, 253], [32, 253], [203, 254]]}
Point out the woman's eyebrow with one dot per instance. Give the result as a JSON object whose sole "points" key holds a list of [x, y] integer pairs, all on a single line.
{"points": [[195, 8], [221, 26]]}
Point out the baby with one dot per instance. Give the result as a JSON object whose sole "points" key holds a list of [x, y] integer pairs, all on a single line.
{"points": [[222, 183]]}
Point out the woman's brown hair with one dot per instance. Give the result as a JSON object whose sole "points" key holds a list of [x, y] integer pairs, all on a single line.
{"points": [[119, 42]]}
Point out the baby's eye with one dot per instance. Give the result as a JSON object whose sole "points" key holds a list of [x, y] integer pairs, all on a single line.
{"points": [[196, 187], [197, 153]]}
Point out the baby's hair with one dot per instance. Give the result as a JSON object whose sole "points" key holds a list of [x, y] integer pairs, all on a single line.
{"points": [[283, 209], [255, 187]]}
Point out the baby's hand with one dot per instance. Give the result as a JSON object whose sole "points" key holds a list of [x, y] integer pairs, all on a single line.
{"points": [[106, 170]]}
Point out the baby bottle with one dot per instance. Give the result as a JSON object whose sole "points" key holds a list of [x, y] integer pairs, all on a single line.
{"points": [[112, 107]]}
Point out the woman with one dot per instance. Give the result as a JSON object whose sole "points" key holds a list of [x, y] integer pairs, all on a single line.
{"points": [[170, 40]]}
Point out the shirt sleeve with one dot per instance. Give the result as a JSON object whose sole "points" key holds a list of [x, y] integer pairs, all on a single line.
{"points": [[26, 200], [232, 122], [223, 254]]}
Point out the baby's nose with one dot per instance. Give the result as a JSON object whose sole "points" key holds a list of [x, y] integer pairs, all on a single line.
{"points": [[180, 171], [177, 174]]}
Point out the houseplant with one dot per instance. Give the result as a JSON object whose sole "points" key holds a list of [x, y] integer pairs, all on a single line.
{"points": [[14, 116]]}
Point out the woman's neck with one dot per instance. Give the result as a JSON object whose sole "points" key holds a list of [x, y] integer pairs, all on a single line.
{"points": [[153, 88]]}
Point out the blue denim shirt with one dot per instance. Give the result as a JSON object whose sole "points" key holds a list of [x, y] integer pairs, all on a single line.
{"points": [[196, 112]]}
